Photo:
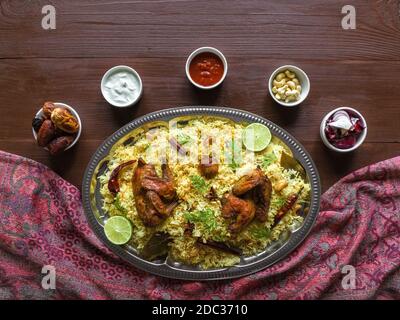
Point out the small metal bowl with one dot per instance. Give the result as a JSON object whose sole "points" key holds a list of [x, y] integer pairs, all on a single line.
{"points": [[39, 114]]}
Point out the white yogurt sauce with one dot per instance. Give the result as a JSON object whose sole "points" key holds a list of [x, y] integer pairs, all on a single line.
{"points": [[122, 87]]}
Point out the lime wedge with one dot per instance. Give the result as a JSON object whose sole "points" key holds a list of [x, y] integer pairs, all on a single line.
{"points": [[256, 137], [118, 230]]}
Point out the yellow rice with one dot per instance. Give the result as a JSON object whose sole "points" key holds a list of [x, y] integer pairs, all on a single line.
{"points": [[154, 146]]}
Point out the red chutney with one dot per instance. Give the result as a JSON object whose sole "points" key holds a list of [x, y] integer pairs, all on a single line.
{"points": [[206, 69]]}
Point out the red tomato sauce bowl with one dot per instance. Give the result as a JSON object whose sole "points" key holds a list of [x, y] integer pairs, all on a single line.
{"points": [[206, 68]]}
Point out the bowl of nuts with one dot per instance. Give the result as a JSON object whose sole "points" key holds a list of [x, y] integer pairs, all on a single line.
{"points": [[56, 127], [289, 85]]}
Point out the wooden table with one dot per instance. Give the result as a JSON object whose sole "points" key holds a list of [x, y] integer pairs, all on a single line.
{"points": [[358, 68]]}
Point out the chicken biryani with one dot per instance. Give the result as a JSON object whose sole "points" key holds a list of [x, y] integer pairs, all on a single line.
{"points": [[193, 191]]}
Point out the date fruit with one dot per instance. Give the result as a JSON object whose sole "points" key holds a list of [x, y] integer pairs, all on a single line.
{"points": [[46, 133], [48, 108], [37, 123], [64, 120], [58, 145]]}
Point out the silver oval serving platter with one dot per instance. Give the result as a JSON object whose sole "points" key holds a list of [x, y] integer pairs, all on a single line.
{"points": [[289, 240]]}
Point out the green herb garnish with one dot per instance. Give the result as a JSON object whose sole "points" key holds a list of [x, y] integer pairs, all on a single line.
{"points": [[199, 183], [218, 238], [267, 160], [118, 205], [233, 158], [233, 165], [146, 146], [204, 217], [260, 232], [183, 138], [278, 202]]}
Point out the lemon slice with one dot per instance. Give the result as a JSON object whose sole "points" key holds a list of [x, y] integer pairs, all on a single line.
{"points": [[256, 137], [118, 230]]}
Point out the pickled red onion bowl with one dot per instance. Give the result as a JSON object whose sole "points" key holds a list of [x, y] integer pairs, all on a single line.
{"points": [[343, 129]]}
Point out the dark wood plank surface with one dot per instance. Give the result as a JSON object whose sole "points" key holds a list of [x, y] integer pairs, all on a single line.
{"points": [[358, 68]]}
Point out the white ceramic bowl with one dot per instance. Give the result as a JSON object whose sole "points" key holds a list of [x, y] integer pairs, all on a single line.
{"points": [[119, 69], [360, 138], [303, 79], [201, 50], [73, 112]]}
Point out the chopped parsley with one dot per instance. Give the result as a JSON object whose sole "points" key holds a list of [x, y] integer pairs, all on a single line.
{"points": [[234, 165], [219, 238], [278, 202], [183, 138], [267, 160], [199, 184], [233, 155], [260, 232], [118, 205], [205, 217], [146, 146]]}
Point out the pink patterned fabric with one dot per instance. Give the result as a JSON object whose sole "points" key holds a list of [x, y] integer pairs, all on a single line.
{"points": [[42, 223]]}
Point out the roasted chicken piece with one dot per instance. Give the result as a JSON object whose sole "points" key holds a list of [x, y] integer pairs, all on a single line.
{"points": [[155, 197], [146, 211], [262, 197], [164, 209], [248, 182], [253, 190], [164, 187], [208, 167], [257, 183], [242, 210]]}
